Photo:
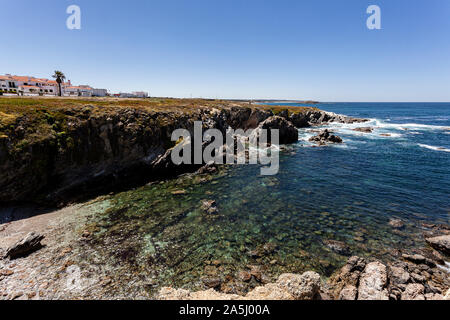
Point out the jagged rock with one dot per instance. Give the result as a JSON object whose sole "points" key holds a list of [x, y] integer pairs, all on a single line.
{"points": [[348, 293], [364, 129], [29, 244], [399, 275], [413, 291], [288, 133], [338, 247], [373, 282], [441, 243], [348, 275], [396, 223], [287, 287], [325, 137]]}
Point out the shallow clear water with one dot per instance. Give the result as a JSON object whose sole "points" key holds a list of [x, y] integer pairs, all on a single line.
{"points": [[345, 192]]}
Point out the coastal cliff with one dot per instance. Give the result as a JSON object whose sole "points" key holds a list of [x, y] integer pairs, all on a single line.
{"points": [[60, 150]]}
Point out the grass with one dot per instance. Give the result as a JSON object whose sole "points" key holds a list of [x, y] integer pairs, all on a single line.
{"points": [[43, 116]]}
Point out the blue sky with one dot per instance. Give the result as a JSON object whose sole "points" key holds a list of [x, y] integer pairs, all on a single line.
{"points": [[295, 49]]}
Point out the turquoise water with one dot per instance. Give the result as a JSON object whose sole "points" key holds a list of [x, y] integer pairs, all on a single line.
{"points": [[345, 192]]}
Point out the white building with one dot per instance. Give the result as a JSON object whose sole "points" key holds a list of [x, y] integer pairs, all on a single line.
{"points": [[99, 92], [24, 85], [136, 94], [78, 91], [140, 94]]}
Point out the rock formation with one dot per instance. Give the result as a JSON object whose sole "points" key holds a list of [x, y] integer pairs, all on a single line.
{"points": [[325, 137], [24, 247], [287, 287]]}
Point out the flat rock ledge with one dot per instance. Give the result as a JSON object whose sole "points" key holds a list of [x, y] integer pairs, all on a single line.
{"points": [[441, 243], [287, 287]]}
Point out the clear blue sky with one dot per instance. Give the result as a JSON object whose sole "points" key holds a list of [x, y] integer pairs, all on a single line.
{"points": [[294, 49]]}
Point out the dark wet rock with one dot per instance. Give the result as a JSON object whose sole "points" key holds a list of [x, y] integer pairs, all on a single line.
{"points": [[256, 272], [208, 169], [441, 243], [364, 129], [338, 247], [244, 276], [396, 224], [210, 282], [325, 137], [26, 246], [419, 259], [210, 206], [413, 291], [288, 133]]}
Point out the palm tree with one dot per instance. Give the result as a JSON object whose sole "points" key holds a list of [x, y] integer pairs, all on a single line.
{"points": [[60, 77]]}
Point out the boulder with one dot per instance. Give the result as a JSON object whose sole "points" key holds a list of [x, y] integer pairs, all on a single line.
{"points": [[413, 291], [373, 282], [301, 287], [26, 246], [441, 243], [288, 133], [325, 137]]}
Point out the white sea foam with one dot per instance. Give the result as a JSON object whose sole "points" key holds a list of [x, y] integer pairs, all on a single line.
{"points": [[409, 126], [434, 148], [446, 267]]}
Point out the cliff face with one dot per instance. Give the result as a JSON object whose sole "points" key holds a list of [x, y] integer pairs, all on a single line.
{"points": [[57, 150]]}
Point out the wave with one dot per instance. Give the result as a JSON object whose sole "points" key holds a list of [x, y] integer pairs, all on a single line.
{"points": [[434, 148], [408, 126]]}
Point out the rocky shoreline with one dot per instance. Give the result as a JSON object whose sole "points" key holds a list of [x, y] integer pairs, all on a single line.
{"points": [[90, 150], [411, 277]]}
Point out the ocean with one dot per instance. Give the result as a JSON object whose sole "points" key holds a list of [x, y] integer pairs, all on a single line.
{"points": [[346, 193]]}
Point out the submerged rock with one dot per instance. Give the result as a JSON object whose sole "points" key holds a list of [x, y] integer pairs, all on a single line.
{"points": [[338, 247], [26, 246], [210, 206], [364, 129], [441, 243], [325, 137], [396, 224]]}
